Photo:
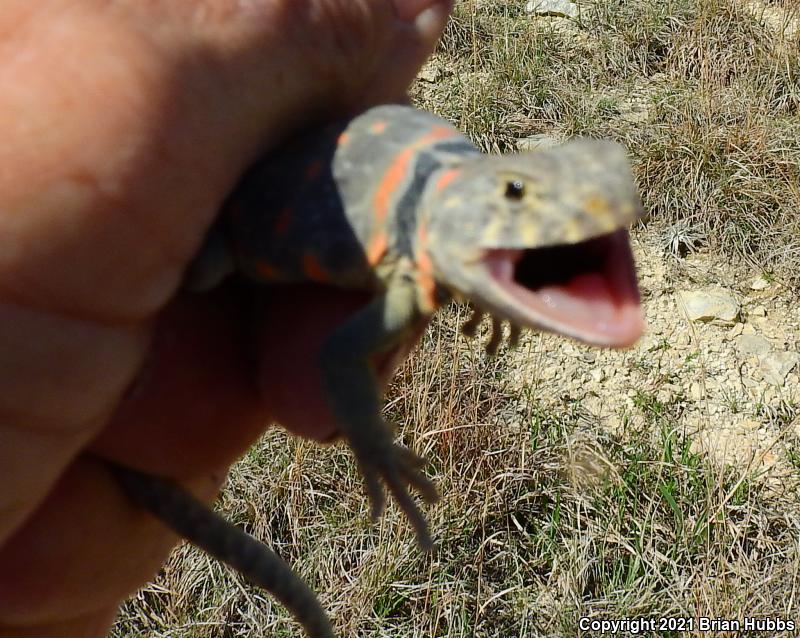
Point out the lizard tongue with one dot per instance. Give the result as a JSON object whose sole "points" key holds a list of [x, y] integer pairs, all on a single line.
{"points": [[589, 303]]}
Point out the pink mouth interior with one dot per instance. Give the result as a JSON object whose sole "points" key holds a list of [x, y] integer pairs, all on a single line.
{"points": [[587, 290]]}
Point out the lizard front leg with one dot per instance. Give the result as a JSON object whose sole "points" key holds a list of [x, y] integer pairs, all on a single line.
{"points": [[353, 393]]}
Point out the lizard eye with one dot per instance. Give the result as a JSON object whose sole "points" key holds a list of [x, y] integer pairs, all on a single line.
{"points": [[515, 190]]}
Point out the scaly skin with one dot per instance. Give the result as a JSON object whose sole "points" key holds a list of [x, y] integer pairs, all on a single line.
{"points": [[397, 202]]}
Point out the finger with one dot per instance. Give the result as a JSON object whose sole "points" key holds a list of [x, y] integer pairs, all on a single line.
{"points": [[61, 377], [422, 22], [97, 201], [194, 406]]}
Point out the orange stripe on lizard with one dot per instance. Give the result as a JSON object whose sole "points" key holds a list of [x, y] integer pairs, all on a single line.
{"points": [[282, 221], [397, 170], [425, 280], [378, 127], [313, 169], [314, 270], [445, 178], [377, 248], [267, 271]]}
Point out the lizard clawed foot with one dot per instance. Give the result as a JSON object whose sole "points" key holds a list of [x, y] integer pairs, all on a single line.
{"points": [[470, 329], [400, 470]]}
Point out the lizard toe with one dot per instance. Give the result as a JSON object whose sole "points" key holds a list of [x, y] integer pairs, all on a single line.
{"points": [[410, 471], [398, 487], [375, 493], [410, 458], [421, 484]]}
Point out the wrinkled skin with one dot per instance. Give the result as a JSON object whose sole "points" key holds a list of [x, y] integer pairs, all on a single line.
{"points": [[124, 125]]}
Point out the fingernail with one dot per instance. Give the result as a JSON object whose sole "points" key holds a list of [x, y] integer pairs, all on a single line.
{"points": [[422, 12]]}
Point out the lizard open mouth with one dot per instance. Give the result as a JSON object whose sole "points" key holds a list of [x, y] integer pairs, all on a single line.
{"points": [[586, 290]]}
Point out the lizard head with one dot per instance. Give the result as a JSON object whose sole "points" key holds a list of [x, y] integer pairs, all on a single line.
{"points": [[540, 239]]}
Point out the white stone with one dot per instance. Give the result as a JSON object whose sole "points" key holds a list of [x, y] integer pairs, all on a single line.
{"points": [[534, 142], [777, 365], [710, 305], [753, 344], [560, 8]]}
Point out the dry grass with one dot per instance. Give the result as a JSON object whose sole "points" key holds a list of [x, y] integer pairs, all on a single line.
{"points": [[543, 520]]}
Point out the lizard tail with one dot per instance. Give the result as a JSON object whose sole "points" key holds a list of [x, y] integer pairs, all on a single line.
{"points": [[197, 523]]}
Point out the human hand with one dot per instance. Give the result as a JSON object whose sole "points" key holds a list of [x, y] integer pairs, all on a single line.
{"points": [[124, 126]]}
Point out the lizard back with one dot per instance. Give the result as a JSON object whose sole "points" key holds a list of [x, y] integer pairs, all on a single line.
{"points": [[341, 205]]}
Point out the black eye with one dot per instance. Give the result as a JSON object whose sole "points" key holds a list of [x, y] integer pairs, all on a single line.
{"points": [[515, 190]]}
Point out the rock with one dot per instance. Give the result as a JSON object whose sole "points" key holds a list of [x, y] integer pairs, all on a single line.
{"points": [[589, 357], [777, 365], [594, 405], [665, 394], [682, 340], [747, 382], [711, 305], [649, 343], [770, 396], [597, 375], [560, 8], [753, 344], [634, 110], [550, 372], [759, 283], [429, 73], [534, 142], [734, 444]]}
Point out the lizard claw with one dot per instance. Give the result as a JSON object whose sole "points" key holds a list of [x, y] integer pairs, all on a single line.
{"points": [[412, 463], [400, 469]]}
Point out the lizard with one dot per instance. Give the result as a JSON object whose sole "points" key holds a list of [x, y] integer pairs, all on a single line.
{"points": [[398, 202]]}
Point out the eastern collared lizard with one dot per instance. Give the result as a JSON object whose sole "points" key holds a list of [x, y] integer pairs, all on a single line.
{"points": [[398, 202]]}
